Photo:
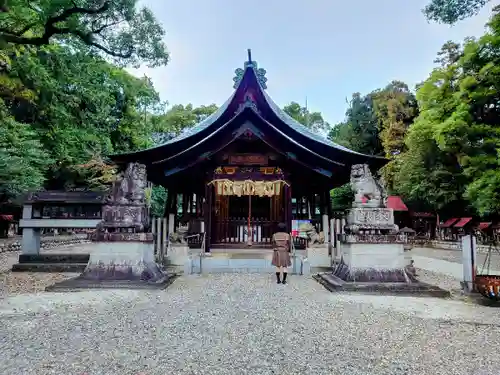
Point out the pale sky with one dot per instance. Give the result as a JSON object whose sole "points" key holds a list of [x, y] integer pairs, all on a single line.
{"points": [[319, 49]]}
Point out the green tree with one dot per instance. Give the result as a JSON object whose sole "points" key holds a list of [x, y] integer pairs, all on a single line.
{"points": [[359, 131], [313, 120], [452, 11], [395, 108], [376, 124], [453, 148], [342, 198], [23, 160], [158, 201], [449, 54], [178, 118], [80, 106], [117, 29], [167, 125]]}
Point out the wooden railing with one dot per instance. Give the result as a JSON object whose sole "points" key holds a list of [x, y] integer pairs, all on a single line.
{"points": [[195, 241], [299, 243], [235, 231]]}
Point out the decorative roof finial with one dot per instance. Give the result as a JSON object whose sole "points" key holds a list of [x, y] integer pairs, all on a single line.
{"points": [[260, 73]]}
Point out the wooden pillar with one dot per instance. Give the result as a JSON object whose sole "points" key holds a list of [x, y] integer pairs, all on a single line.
{"points": [[311, 205], [207, 210], [168, 204], [171, 209], [199, 205], [325, 219], [288, 208], [329, 204], [185, 203]]}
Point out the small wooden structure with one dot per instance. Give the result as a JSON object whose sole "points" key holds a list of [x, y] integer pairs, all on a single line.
{"points": [[463, 226], [6, 225], [446, 229], [58, 210], [424, 224]]}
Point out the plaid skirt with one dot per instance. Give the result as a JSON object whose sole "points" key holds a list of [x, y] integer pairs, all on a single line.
{"points": [[281, 258]]}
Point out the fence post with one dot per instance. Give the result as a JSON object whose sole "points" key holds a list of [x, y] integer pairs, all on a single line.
{"points": [[153, 231], [158, 234], [469, 262], [165, 237], [333, 245]]}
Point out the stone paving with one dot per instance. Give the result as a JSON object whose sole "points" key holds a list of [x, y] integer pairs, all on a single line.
{"points": [[450, 261]]}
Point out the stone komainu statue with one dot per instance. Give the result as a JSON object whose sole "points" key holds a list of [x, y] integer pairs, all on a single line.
{"points": [[313, 237], [129, 187], [368, 192], [125, 206]]}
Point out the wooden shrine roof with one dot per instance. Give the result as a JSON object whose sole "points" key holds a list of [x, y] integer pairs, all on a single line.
{"points": [[250, 107]]}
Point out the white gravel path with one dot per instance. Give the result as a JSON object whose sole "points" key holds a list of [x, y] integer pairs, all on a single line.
{"points": [[244, 324]]}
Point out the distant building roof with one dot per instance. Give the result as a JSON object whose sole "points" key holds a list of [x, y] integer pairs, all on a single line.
{"points": [[396, 203]]}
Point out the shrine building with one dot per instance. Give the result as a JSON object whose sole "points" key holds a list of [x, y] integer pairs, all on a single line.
{"points": [[248, 167]]}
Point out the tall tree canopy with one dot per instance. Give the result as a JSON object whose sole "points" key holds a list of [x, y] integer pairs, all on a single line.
{"points": [[77, 105], [454, 144], [115, 28], [313, 120], [452, 11], [376, 124], [65, 102], [359, 131]]}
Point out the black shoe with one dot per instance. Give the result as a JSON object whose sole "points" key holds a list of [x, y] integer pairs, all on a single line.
{"points": [[284, 277], [278, 277]]}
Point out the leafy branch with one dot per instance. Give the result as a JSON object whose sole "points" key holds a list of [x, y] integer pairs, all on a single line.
{"points": [[115, 28]]}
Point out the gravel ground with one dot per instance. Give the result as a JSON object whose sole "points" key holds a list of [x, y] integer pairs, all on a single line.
{"points": [[443, 281], [12, 283], [455, 256], [244, 324], [32, 282]]}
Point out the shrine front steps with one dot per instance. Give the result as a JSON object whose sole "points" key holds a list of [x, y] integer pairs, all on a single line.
{"points": [[242, 260], [51, 263]]}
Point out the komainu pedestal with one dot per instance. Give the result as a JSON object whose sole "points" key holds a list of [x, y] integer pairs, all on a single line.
{"points": [[123, 255], [372, 251], [369, 220]]}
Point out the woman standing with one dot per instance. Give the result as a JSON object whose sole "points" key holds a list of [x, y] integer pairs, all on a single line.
{"points": [[281, 254]]}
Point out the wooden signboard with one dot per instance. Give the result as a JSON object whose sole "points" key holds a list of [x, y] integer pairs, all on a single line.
{"points": [[248, 159]]}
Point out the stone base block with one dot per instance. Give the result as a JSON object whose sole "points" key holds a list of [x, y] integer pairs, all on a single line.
{"points": [[319, 257], [128, 264], [374, 255], [369, 262], [79, 283], [177, 255], [131, 260], [414, 288]]}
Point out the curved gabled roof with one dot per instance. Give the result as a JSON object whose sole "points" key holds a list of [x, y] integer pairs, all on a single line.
{"points": [[250, 85], [201, 125], [297, 126]]}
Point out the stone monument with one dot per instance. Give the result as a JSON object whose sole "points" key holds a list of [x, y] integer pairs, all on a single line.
{"points": [[123, 252], [371, 249]]}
